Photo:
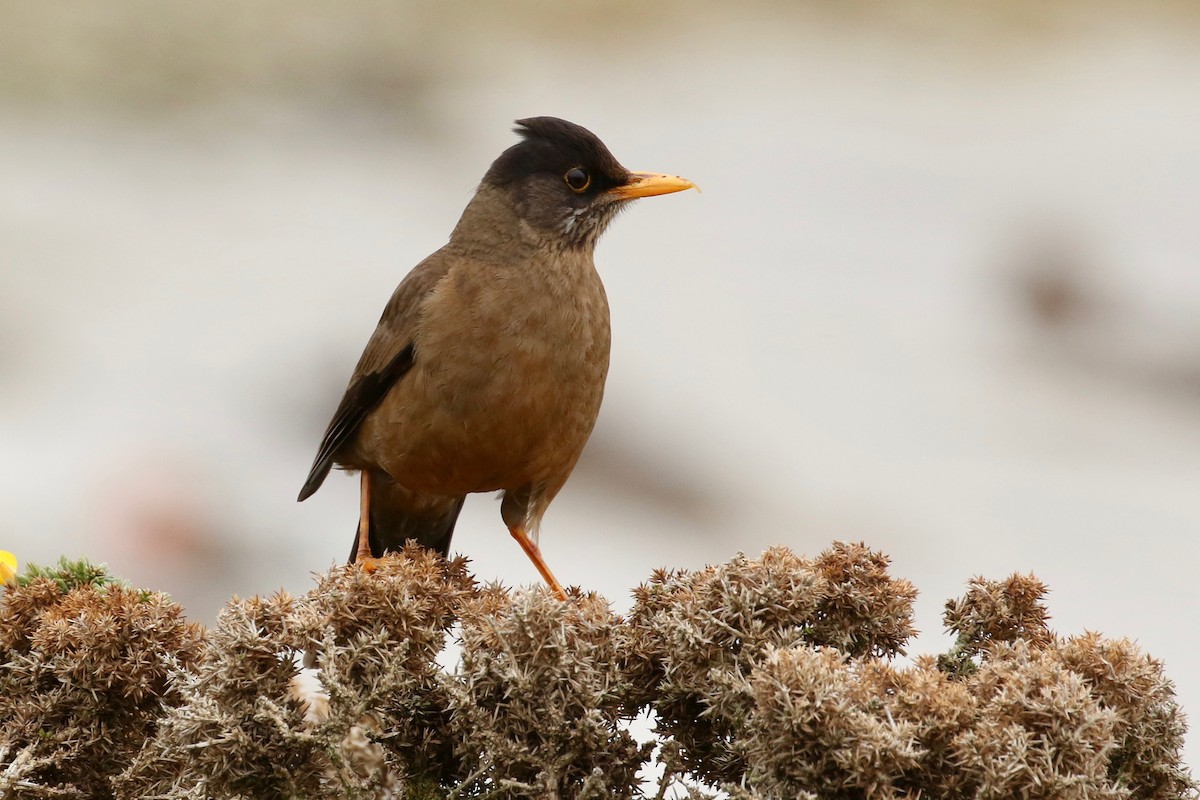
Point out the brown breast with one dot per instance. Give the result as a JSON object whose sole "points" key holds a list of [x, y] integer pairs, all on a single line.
{"points": [[507, 382]]}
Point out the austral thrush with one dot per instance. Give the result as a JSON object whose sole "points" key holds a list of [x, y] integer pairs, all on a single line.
{"points": [[487, 368]]}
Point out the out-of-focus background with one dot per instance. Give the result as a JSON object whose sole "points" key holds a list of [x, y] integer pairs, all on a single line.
{"points": [[941, 292]]}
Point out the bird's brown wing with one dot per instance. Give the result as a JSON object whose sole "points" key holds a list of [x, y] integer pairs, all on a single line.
{"points": [[388, 356]]}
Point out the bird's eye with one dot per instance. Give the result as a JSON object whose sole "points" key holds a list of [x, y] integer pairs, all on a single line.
{"points": [[578, 179]]}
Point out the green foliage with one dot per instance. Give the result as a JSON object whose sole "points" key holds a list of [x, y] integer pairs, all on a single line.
{"points": [[70, 575], [768, 678]]}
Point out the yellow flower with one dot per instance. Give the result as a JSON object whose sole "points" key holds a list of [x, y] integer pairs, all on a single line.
{"points": [[8, 566]]}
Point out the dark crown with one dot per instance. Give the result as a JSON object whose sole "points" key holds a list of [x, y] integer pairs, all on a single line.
{"points": [[553, 145]]}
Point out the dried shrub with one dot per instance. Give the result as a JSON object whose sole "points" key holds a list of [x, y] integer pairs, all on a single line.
{"points": [[1149, 726], [239, 732], [1040, 733], [771, 678], [244, 732], [377, 637], [86, 674], [992, 612], [537, 704], [819, 725], [863, 610], [696, 637]]}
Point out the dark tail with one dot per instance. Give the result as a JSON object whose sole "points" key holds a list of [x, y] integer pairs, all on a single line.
{"points": [[398, 515]]}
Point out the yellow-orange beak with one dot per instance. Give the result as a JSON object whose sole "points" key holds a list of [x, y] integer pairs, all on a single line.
{"points": [[648, 184]]}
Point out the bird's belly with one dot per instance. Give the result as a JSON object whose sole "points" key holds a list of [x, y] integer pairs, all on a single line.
{"points": [[520, 416]]}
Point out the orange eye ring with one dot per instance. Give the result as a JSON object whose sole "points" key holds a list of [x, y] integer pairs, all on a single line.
{"points": [[578, 179]]}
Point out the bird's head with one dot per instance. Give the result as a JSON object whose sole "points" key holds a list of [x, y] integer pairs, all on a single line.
{"points": [[566, 185]]}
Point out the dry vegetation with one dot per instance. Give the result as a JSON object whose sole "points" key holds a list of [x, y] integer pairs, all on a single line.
{"points": [[772, 677]]}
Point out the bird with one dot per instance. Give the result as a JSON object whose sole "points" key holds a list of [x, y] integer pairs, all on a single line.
{"points": [[487, 368]]}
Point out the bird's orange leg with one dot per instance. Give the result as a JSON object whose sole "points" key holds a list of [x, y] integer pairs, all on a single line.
{"points": [[535, 555], [363, 556]]}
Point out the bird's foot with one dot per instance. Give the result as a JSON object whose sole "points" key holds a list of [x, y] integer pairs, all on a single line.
{"points": [[535, 555], [362, 555], [557, 588]]}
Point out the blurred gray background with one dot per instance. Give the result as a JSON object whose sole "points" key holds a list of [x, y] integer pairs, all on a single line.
{"points": [[941, 292]]}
